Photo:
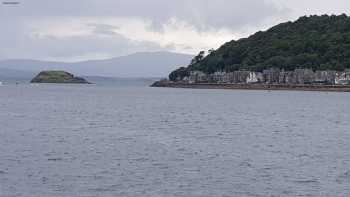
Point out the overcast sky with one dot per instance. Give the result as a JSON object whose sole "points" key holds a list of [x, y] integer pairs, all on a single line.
{"points": [[73, 30]]}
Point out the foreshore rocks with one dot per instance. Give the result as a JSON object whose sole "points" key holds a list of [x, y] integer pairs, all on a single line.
{"points": [[161, 83]]}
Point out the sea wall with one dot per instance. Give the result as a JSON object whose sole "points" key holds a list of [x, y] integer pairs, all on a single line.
{"points": [[272, 76]]}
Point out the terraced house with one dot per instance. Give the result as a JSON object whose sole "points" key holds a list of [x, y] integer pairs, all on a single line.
{"points": [[272, 76]]}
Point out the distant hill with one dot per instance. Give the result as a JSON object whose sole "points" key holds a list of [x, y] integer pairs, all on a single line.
{"points": [[13, 75], [315, 42], [148, 64]]}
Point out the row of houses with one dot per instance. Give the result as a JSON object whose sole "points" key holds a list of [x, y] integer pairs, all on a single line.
{"points": [[273, 76]]}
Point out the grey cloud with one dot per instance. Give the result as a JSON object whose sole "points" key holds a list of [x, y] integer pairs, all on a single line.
{"points": [[188, 47], [104, 29], [173, 46], [18, 40], [200, 13], [20, 45]]}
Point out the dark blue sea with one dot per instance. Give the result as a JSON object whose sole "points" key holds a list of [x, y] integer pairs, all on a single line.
{"points": [[136, 141]]}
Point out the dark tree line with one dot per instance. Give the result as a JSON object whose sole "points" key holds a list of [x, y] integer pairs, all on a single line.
{"points": [[315, 42]]}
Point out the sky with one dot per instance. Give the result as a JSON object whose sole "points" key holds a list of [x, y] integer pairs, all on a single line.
{"points": [[76, 30]]}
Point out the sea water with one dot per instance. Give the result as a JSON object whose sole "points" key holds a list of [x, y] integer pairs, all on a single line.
{"points": [[88, 141]]}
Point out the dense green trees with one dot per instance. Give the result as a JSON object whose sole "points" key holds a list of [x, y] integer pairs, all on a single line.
{"points": [[198, 58], [179, 73], [315, 42]]}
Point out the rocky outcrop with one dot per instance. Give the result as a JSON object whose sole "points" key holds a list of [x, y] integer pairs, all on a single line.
{"points": [[162, 83], [58, 77]]}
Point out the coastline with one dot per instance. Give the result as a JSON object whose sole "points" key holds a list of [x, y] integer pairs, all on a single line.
{"points": [[289, 87]]}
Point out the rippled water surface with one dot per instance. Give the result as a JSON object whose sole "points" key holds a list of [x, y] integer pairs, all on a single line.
{"points": [[90, 141]]}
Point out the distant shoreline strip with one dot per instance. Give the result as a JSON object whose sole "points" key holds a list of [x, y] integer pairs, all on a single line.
{"points": [[322, 88], [10, 2]]}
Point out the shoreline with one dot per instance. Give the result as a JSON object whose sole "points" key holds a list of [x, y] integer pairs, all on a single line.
{"points": [[288, 87]]}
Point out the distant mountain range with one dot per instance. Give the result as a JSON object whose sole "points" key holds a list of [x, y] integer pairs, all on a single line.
{"points": [[145, 65], [15, 75]]}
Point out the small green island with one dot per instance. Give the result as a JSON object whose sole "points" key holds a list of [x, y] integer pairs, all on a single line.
{"points": [[58, 77]]}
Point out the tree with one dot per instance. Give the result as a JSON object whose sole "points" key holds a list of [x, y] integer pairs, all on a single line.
{"points": [[179, 74], [198, 58], [315, 42], [210, 51]]}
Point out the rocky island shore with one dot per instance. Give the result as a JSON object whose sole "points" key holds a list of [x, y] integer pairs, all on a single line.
{"points": [[58, 77]]}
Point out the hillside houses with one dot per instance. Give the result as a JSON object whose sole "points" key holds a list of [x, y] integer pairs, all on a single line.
{"points": [[342, 78], [272, 76]]}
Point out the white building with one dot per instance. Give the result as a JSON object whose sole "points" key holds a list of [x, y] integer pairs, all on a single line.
{"points": [[254, 77], [197, 77], [342, 78]]}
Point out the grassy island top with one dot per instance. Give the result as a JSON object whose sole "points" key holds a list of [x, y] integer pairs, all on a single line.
{"points": [[313, 42], [57, 77]]}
